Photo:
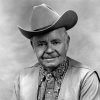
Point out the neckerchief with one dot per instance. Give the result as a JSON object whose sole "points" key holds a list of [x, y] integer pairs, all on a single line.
{"points": [[58, 75]]}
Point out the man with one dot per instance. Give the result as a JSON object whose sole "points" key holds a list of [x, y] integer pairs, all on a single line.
{"points": [[55, 76]]}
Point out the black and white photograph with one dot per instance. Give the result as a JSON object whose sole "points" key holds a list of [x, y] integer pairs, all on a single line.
{"points": [[49, 49]]}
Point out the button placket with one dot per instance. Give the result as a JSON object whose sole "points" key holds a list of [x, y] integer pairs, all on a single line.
{"points": [[49, 87]]}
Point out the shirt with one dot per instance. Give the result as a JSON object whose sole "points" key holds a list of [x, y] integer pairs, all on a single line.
{"points": [[50, 83]]}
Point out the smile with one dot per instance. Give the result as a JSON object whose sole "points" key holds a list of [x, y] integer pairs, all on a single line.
{"points": [[50, 58]]}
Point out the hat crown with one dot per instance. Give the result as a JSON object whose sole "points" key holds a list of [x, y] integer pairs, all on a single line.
{"points": [[43, 16], [44, 19]]}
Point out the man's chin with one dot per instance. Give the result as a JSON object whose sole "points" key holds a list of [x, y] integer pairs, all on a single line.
{"points": [[49, 65]]}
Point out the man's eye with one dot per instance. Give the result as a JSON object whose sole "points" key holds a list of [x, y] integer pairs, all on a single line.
{"points": [[41, 44], [55, 42]]}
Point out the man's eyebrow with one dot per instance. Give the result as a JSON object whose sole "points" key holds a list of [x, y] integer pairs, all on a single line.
{"points": [[40, 41], [58, 40]]}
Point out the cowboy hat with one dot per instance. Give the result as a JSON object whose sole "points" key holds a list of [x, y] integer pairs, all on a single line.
{"points": [[44, 19]]}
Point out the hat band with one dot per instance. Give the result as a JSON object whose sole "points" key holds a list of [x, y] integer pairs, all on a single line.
{"points": [[46, 27]]}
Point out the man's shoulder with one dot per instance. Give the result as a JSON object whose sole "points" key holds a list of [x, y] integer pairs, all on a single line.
{"points": [[78, 65], [29, 70], [79, 69]]}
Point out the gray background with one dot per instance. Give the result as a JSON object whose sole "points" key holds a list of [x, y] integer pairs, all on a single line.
{"points": [[16, 52]]}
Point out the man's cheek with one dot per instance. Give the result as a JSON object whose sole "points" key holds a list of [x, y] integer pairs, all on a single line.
{"points": [[60, 49], [39, 53]]}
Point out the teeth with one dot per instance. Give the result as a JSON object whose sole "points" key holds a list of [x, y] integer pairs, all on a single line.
{"points": [[49, 58]]}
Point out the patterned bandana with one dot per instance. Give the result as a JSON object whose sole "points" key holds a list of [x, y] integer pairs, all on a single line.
{"points": [[51, 82], [57, 73]]}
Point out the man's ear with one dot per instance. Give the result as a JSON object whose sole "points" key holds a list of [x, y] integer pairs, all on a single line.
{"points": [[68, 39], [32, 44]]}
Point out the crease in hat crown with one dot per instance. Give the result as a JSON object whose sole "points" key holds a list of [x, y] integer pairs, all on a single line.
{"points": [[45, 19], [43, 16]]}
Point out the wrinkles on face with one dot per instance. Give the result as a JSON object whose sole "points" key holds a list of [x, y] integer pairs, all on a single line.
{"points": [[51, 48]]}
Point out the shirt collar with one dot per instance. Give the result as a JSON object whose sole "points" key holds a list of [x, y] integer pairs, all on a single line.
{"points": [[57, 73]]}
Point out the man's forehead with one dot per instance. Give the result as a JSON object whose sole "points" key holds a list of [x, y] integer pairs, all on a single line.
{"points": [[58, 33]]}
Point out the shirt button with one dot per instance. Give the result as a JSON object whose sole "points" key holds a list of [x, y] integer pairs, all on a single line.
{"points": [[49, 76], [49, 92]]}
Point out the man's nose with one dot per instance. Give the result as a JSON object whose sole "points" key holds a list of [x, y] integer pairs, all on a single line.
{"points": [[49, 48]]}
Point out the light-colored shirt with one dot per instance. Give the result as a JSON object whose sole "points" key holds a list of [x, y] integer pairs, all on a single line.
{"points": [[79, 83]]}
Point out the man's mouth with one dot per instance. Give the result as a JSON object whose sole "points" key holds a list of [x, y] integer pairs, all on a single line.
{"points": [[49, 58]]}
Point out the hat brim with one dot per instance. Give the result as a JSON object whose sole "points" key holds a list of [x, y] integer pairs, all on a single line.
{"points": [[67, 20]]}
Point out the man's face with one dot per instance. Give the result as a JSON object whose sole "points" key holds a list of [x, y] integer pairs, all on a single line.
{"points": [[51, 48]]}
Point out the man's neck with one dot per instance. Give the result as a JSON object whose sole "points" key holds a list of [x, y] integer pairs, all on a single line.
{"points": [[50, 68]]}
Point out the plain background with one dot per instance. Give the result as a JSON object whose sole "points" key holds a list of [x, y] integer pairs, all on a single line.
{"points": [[16, 52]]}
